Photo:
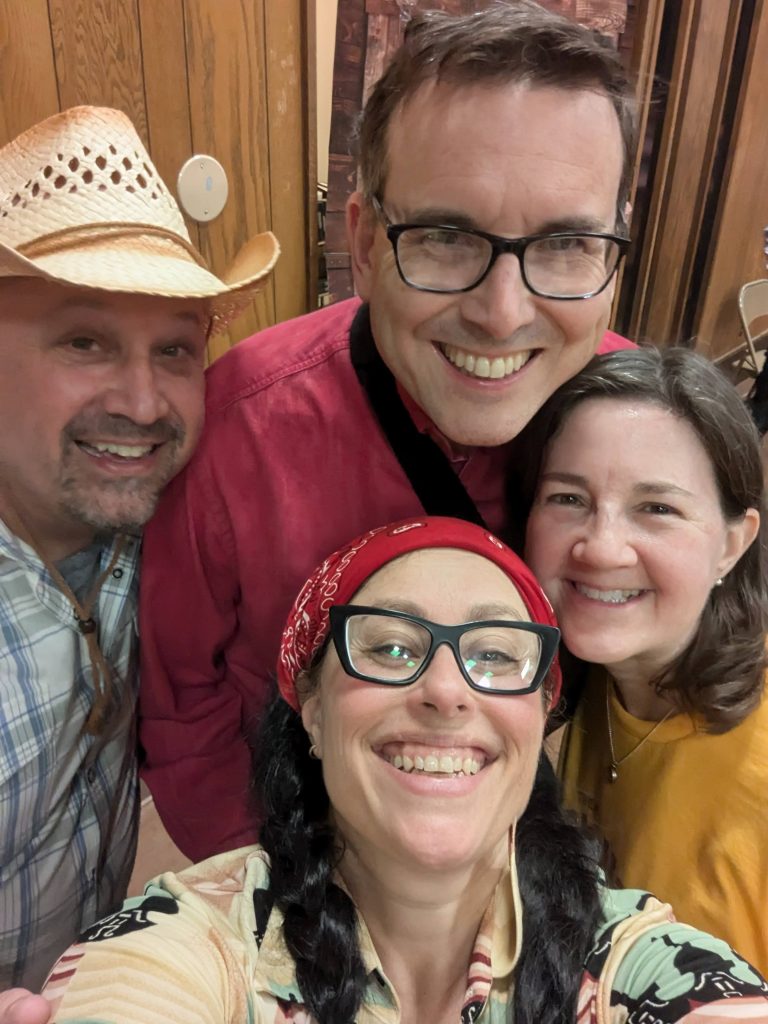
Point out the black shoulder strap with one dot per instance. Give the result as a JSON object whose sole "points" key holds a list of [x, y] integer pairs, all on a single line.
{"points": [[427, 467]]}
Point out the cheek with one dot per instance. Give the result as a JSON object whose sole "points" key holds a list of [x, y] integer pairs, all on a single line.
{"points": [[583, 323]]}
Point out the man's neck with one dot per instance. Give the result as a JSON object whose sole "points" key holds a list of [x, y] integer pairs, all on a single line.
{"points": [[55, 540]]}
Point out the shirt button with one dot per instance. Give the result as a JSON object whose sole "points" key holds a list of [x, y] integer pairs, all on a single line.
{"points": [[117, 573], [91, 775]]}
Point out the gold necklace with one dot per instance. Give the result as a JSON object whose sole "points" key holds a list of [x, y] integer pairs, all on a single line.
{"points": [[613, 767]]}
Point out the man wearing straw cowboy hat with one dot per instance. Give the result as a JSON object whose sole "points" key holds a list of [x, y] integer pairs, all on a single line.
{"points": [[105, 310]]}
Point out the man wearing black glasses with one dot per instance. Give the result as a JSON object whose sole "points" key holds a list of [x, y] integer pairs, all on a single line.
{"points": [[485, 238]]}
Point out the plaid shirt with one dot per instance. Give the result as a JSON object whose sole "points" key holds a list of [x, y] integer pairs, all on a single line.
{"points": [[68, 801]]}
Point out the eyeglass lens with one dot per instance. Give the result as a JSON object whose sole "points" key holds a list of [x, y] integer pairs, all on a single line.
{"points": [[392, 650], [451, 260]]}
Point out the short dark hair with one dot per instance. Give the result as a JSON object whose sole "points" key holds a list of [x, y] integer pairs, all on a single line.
{"points": [[507, 43], [720, 675]]}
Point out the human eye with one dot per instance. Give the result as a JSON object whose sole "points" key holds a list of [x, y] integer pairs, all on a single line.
{"points": [[451, 242], [562, 243], [499, 653], [82, 343], [183, 351], [564, 499], [388, 644], [659, 508]]}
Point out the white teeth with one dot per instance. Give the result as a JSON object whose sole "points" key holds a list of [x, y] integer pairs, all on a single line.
{"points": [[483, 366], [125, 451], [607, 596], [446, 764]]}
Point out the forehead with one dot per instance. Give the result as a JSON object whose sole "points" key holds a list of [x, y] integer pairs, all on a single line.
{"points": [[33, 301], [634, 439], [503, 147], [443, 583]]}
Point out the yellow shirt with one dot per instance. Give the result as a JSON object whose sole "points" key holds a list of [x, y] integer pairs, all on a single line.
{"points": [[687, 817]]}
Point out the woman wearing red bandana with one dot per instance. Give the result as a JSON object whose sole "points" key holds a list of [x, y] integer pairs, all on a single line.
{"points": [[414, 866]]}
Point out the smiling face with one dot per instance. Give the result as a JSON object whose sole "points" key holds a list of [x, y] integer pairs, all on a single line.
{"points": [[428, 817], [510, 160], [101, 403], [627, 535]]}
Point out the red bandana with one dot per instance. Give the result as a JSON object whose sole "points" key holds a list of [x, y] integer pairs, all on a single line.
{"points": [[342, 574]]}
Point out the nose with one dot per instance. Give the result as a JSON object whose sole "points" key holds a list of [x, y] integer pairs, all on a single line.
{"points": [[501, 304], [605, 542], [136, 392], [442, 687]]}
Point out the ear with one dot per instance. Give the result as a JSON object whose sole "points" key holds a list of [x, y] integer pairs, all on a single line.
{"points": [[312, 718], [739, 535], [361, 231]]}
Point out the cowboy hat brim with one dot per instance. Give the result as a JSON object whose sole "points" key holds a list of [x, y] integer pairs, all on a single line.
{"points": [[150, 265]]}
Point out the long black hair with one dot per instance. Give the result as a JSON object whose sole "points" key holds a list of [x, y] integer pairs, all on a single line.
{"points": [[557, 868]]}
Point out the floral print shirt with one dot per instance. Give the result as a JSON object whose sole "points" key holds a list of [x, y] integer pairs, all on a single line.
{"points": [[206, 947]]}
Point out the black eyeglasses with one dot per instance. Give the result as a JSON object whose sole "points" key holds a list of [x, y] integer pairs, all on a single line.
{"points": [[446, 259], [394, 648]]}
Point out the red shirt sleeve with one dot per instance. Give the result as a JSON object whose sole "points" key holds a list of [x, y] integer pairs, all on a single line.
{"points": [[192, 716]]}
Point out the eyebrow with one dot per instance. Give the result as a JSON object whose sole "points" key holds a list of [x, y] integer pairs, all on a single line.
{"points": [[77, 302], [457, 219], [646, 487], [476, 613]]}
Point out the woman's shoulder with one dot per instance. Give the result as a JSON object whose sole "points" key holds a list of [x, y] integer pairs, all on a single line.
{"points": [[644, 958]]}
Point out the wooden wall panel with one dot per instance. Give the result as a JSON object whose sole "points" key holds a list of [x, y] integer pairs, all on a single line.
{"points": [[706, 35], [97, 48], [228, 103], [169, 121], [292, 161], [28, 85], [737, 250]]}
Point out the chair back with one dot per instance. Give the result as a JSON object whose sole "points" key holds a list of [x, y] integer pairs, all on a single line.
{"points": [[753, 305]]}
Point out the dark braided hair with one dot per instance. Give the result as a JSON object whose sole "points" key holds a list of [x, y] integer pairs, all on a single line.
{"points": [[557, 869]]}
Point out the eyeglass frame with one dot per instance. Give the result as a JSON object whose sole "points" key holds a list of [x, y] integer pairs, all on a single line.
{"points": [[500, 246], [549, 637]]}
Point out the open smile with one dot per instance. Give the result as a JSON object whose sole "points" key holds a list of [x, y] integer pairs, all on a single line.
{"points": [[454, 762], [486, 367], [614, 596], [112, 449]]}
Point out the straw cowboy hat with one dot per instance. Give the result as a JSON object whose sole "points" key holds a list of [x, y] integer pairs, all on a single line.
{"points": [[82, 204]]}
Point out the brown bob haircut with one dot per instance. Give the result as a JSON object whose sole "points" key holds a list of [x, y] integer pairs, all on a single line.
{"points": [[506, 44], [720, 675]]}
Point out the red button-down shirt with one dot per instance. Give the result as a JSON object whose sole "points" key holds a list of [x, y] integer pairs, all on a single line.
{"points": [[292, 464]]}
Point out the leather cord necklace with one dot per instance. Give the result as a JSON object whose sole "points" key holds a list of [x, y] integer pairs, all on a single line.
{"points": [[613, 767], [101, 672]]}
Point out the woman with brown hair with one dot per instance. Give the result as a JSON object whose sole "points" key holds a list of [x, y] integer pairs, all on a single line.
{"points": [[647, 533]]}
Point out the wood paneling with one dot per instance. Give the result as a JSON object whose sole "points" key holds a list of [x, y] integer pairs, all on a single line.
{"points": [[737, 250], [704, 51], [28, 87], [166, 88], [227, 92], [97, 49], [289, 159]]}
